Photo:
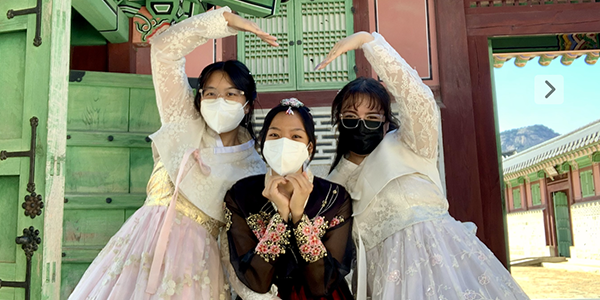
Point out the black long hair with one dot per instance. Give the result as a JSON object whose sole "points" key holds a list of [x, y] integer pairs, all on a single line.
{"points": [[307, 120], [353, 93], [242, 80]]}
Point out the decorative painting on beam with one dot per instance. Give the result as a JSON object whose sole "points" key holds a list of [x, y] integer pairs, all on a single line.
{"points": [[150, 16]]}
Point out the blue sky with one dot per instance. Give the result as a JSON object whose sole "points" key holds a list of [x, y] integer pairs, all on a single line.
{"points": [[515, 95]]}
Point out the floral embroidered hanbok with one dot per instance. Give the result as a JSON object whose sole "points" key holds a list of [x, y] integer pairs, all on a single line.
{"points": [[168, 248], [307, 260], [409, 246]]}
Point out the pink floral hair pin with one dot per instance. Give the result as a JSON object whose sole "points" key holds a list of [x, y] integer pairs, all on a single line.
{"points": [[291, 103]]}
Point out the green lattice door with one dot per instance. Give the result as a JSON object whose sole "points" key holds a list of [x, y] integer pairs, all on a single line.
{"points": [[306, 31], [563, 224], [108, 163]]}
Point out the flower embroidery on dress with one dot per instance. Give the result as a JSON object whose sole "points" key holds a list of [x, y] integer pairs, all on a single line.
{"points": [[227, 217], [308, 235], [258, 223], [273, 239], [336, 221]]}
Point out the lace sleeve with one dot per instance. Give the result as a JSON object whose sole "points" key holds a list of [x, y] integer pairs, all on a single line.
{"points": [[174, 96], [419, 115]]}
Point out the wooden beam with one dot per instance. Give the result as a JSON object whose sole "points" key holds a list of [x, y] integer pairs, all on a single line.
{"points": [[106, 17], [538, 19], [488, 150], [361, 23], [309, 98], [462, 165]]}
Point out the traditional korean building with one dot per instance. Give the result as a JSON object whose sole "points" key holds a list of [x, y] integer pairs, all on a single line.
{"points": [[553, 197], [78, 105]]}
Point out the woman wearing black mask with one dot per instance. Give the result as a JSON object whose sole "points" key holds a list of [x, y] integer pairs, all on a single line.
{"points": [[409, 246]]}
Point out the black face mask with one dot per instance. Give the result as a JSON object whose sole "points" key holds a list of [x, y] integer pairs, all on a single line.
{"points": [[361, 140]]}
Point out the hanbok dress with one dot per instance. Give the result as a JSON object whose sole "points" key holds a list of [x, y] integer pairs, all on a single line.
{"points": [[168, 248], [409, 246], [305, 260]]}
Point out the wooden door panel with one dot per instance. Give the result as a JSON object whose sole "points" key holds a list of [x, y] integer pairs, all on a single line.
{"points": [[97, 170], [108, 164], [71, 272], [144, 115], [9, 194], [90, 228], [141, 164], [12, 81], [98, 108]]}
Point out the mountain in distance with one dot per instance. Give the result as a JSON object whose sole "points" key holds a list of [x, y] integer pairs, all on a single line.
{"points": [[522, 138]]}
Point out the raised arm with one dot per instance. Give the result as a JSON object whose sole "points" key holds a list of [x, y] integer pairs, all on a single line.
{"points": [[173, 93], [174, 96], [419, 116], [326, 262]]}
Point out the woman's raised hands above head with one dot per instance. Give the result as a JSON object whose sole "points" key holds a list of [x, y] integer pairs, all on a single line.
{"points": [[344, 45], [238, 23]]}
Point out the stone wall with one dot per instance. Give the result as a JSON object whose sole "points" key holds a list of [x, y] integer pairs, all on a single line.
{"points": [[526, 234], [585, 219]]}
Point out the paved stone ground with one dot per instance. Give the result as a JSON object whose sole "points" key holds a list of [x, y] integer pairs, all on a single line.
{"points": [[547, 283]]}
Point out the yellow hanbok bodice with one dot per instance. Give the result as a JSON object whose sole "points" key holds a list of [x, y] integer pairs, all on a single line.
{"points": [[160, 190]]}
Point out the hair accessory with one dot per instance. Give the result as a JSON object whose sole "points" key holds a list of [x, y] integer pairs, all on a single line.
{"points": [[291, 102]]}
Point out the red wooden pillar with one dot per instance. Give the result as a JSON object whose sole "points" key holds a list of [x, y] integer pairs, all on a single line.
{"points": [[472, 165], [596, 173]]}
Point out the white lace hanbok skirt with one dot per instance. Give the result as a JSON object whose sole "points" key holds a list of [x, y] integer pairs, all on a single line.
{"points": [[191, 268], [437, 259]]}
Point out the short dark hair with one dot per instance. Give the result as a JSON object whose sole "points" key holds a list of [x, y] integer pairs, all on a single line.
{"points": [[353, 94], [307, 120], [242, 80]]}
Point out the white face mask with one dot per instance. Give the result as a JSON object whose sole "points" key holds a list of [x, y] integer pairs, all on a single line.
{"points": [[285, 156], [222, 115]]}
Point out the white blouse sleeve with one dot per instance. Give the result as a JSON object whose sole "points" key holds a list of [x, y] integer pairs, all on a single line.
{"points": [[174, 95], [419, 115]]}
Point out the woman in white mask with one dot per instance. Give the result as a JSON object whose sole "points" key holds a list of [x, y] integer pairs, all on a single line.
{"points": [[168, 248], [288, 232]]}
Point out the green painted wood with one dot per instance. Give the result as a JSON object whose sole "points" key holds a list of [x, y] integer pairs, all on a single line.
{"points": [[25, 92], [563, 224], [587, 183], [113, 80], [533, 176], [319, 25], [71, 272], [141, 164], [102, 139], [83, 33], [273, 68], [516, 198], [13, 83], [596, 157], [106, 17], [93, 108], [81, 227], [9, 185], [514, 44], [584, 161], [536, 195], [97, 170], [146, 117], [80, 254], [565, 167], [99, 201]]}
